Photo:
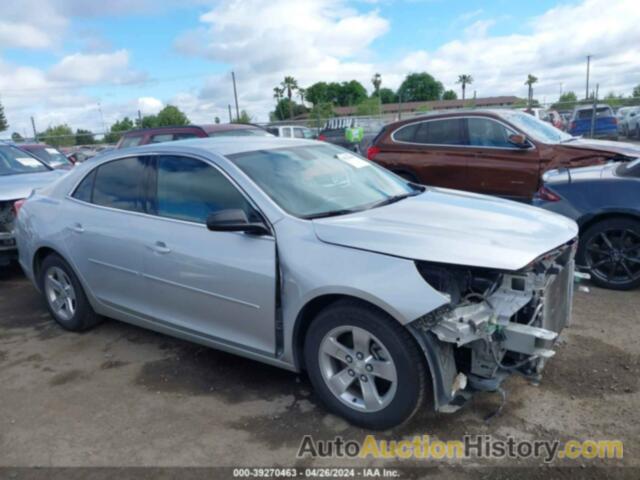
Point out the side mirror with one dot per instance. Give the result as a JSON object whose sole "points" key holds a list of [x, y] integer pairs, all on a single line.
{"points": [[234, 220], [518, 140]]}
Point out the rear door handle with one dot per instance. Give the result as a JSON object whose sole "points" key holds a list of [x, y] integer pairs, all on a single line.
{"points": [[78, 228], [160, 247]]}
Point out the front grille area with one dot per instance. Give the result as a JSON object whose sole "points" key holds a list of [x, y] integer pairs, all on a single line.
{"points": [[558, 298], [7, 216]]}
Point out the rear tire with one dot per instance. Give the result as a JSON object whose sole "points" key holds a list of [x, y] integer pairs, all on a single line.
{"points": [[65, 297], [610, 250], [364, 366]]}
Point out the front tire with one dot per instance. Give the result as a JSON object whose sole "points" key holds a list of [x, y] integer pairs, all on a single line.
{"points": [[610, 250], [364, 366], [65, 297]]}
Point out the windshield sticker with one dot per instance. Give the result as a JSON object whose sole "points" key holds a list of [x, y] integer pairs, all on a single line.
{"points": [[28, 162], [352, 160]]}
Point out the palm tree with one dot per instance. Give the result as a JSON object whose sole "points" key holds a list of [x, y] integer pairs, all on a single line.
{"points": [[301, 93], [277, 93], [376, 80], [464, 80], [289, 84], [531, 79]]}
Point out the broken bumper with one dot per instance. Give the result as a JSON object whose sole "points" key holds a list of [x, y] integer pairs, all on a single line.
{"points": [[475, 345]]}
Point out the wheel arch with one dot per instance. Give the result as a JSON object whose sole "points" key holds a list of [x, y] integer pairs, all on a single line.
{"points": [[312, 308], [587, 222]]}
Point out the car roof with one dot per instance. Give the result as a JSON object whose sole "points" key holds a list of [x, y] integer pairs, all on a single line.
{"points": [[223, 146], [209, 128]]}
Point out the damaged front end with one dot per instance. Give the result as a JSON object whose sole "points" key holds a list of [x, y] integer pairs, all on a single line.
{"points": [[496, 323]]}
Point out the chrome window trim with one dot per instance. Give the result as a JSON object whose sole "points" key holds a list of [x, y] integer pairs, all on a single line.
{"points": [[69, 195], [448, 145]]}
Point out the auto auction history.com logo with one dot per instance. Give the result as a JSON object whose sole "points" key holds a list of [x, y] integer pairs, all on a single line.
{"points": [[471, 446]]}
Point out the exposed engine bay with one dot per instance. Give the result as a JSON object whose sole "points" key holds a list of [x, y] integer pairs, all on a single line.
{"points": [[495, 324]]}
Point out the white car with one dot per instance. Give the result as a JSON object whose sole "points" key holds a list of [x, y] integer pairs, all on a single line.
{"points": [[632, 122], [291, 131]]}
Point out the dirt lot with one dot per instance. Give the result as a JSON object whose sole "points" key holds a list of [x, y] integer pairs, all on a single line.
{"points": [[119, 395]]}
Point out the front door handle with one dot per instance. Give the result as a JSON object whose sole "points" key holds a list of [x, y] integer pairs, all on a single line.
{"points": [[161, 247], [78, 228]]}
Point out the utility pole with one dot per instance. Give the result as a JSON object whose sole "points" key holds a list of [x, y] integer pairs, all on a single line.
{"points": [[586, 93], [139, 118], [235, 95], [230, 119], [594, 112], [33, 125], [104, 127]]}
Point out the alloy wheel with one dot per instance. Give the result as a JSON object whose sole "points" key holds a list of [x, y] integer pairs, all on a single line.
{"points": [[357, 368], [60, 293], [614, 256]]}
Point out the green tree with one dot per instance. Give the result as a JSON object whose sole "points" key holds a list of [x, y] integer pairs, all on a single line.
{"points": [[16, 137], [318, 93], [321, 112], [387, 95], [369, 106], [614, 100], [285, 108], [147, 121], [278, 93], [117, 129], [302, 93], [243, 118], [449, 95], [464, 80], [289, 84], [531, 79], [171, 116], [84, 137], [216, 120], [566, 101], [636, 91], [3, 119], [420, 87], [58, 136], [351, 93]]}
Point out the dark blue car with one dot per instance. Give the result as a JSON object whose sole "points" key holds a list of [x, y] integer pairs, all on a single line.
{"points": [[606, 123], [605, 202]]}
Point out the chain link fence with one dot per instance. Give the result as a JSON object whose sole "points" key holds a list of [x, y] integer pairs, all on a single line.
{"points": [[317, 124]]}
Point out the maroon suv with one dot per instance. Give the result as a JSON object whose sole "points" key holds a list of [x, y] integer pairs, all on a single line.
{"points": [[145, 136], [497, 152]]}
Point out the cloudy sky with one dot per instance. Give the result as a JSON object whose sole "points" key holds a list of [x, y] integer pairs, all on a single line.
{"points": [[85, 63]]}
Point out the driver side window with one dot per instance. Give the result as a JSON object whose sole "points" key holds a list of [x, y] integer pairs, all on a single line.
{"points": [[189, 189], [484, 132]]}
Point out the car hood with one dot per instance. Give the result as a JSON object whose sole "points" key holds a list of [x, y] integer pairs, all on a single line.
{"points": [[15, 187], [454, 227], [622, 148]]}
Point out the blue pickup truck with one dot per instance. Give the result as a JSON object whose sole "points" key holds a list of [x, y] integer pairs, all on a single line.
{"points": [[606, 124]]}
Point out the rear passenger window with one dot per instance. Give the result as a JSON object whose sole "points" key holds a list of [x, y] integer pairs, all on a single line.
{"points": [[85, 189], [132, 141], [441, 132], [189, 189], [120, 184], [488, 133], [406, 133], [162, 137]]}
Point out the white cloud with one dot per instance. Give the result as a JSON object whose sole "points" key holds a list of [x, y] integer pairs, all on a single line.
{"points": [[149, 105], [92, 68]]}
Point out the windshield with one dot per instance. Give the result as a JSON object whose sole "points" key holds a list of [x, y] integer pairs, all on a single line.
{"points": [[14, 161], [629, 169], [534, 128], [51, 157], [321, 180]]}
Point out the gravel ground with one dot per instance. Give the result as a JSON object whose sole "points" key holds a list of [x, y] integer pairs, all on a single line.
{"points": [[120, 395]]}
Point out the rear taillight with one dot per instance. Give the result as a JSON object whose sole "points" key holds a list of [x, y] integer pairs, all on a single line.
{"points": [[548, 195], [372, 151], [17, 205], [322, 138]]}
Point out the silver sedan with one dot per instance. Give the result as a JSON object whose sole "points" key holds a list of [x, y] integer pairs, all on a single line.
{"points": [[308, 257]]}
